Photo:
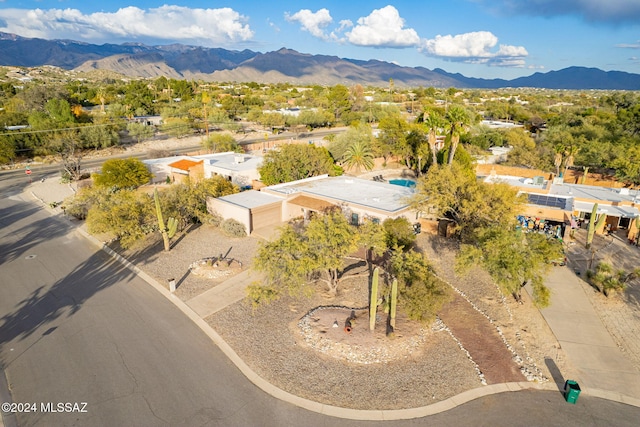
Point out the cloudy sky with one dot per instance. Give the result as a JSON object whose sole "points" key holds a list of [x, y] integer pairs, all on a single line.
{"points": [[478, 38]]}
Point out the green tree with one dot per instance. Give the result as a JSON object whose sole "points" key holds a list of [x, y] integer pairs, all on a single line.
{"points": [[458, 121], [393, 136], [513, 259], [296, 161], [372, 237], [359, 155], [221, 143], [122, 173], [177, 127], [286, 265], [187, 201], [140, 131], [7, 148], [398, 232], [357, 133], [126, 214], [420, 293], [455, 194], [433, 122], [330, 238]]}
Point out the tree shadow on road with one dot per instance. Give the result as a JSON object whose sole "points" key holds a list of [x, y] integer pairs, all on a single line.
{"points": [[43, 307], [31, 234]]}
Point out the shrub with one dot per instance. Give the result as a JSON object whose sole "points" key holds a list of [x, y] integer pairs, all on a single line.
{"points": [[233, 228], [399, 231]]}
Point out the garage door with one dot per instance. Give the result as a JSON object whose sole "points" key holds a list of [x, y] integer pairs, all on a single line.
{"points": [[266, 216]]}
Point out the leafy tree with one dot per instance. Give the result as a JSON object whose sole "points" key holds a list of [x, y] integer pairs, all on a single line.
{"points": [[122, 173], [187, 201], [296, 161], [330, 238], [372, 237], [358, 133], [286, 265], [140, 131], [420, 293], [177, 127], [127, 214], [398, 232], [393, 136], [7, 148], [290, 261], [221, 143], [512, 259], [455, 194], [98, 136]]}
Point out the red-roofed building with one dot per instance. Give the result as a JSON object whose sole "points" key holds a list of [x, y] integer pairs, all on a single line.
{"points": [[184, 168]]}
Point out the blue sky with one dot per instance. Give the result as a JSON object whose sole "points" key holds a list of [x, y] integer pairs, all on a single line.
{"points": [[477, 38]]}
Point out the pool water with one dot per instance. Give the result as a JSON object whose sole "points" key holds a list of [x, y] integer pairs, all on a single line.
{"points": [[403, 182]]}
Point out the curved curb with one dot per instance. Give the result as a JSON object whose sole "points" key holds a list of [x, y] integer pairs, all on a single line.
{"points": [[335, 411]]}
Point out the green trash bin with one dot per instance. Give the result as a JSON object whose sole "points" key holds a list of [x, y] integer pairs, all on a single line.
{"points": [[571, 391]]}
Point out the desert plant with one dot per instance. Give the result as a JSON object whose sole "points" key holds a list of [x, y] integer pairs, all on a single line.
{"points": [[592, 226], [394, 303], [373, 304], [167, 230], [233, 228]]}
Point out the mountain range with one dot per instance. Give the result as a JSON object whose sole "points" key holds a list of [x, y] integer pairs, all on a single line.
{"points": [[285, 65]]}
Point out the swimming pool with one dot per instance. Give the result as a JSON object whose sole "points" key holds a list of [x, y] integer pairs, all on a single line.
{"points": [[403, 182]]}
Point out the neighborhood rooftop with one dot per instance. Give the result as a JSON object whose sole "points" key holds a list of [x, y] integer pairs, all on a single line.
{"points": [[363, 192]]}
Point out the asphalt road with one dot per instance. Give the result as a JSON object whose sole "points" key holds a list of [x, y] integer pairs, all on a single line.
{"points": [[77, 327]]}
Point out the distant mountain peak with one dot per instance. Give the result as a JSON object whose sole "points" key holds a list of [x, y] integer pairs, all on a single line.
{"points": [[283, 65]]}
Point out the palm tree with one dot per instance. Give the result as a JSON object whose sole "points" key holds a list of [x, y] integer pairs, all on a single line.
{"points": [[359, 154], [558, 149], [570, 153], [433, 122], [458, 120]]}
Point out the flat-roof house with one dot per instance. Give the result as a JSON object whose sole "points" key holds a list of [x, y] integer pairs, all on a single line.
{"points": [[359, 199], [558, 201], [239, 168]]}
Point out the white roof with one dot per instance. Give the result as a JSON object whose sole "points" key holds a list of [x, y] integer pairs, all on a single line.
{"points": [[619, 211], [251, 199], [373, 194]]}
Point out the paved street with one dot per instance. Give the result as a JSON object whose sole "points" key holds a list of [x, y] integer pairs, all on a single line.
{"points": [[76, 326]]}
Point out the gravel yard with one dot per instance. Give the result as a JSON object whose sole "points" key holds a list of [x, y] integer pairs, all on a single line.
{"points": [[272, 343]]}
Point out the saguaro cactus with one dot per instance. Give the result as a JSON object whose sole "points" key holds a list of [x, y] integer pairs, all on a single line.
{"points": [[394, 302], [373, 304], [167, 230], [592, 225]]}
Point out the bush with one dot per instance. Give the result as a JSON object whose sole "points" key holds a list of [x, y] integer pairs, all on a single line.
{"points": [[233, 228], [399, 231]]}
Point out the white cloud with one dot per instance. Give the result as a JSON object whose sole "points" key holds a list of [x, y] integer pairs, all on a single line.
{"points": [[609, 11], [476, 47], [313, 22], [206, 26], [635, 45], [383, 28]]}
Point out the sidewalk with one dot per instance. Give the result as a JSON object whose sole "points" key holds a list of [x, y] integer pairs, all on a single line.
{"points": [[226, 293], [594, 355]]}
